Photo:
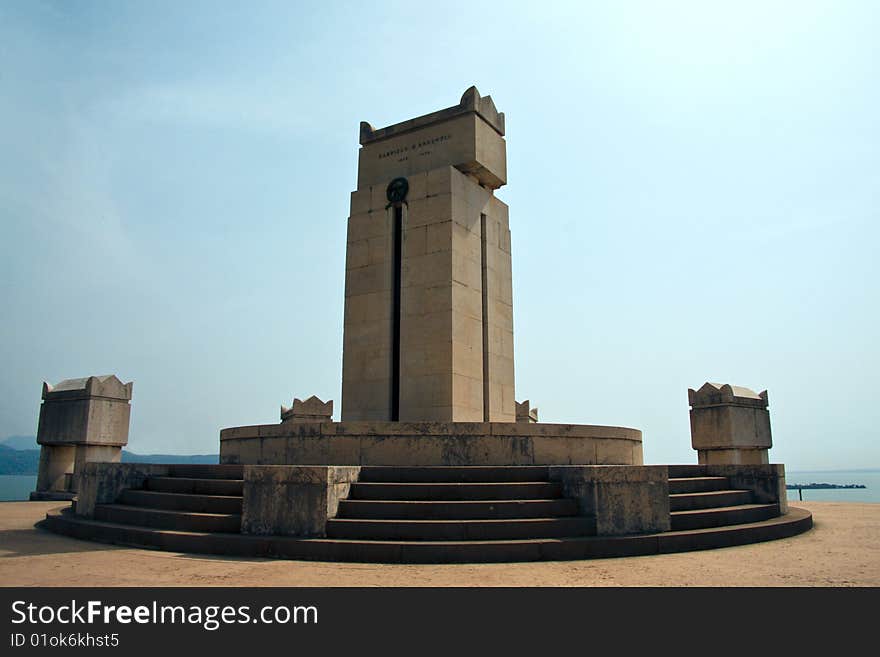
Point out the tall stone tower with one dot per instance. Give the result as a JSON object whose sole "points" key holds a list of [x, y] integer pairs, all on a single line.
{"points": [[428, 332]]}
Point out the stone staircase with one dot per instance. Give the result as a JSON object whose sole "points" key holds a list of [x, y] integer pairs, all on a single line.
{"points": [[700, 502], [197, 498], [457, 504], [426, 515]]}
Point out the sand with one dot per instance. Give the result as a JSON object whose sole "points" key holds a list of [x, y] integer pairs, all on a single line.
{"points": [[843, 549]]}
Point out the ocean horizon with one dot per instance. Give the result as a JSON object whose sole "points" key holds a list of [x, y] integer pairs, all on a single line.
{"points": [[869, 478]]}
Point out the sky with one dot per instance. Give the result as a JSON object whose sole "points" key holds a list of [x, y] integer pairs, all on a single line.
{"points": [[693, 192]]}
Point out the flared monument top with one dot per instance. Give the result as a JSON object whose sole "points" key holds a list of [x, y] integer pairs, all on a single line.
{"points": [[713, 394], [106, 385], [471, 102], [468, 136]]}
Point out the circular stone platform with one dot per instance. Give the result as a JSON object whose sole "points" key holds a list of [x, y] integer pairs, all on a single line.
{"points": [[430, 443], [417, 514]]}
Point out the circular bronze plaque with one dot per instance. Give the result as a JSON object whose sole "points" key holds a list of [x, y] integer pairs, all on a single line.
{"points": [[397, 189]]}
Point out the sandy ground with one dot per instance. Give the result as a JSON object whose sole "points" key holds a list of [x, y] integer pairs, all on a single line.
{"points": [[843, 549]]}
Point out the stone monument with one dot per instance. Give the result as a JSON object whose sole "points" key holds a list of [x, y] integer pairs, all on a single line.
{"points": [[427, 362], [434, 460], [729, 425], [81, 420], [428, 329]]}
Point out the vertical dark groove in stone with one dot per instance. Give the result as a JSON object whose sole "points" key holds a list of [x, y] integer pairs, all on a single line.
{"points": [[485, 318], [395, 314]]}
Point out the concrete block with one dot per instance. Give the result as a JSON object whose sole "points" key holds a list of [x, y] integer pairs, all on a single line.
{"points": [[92, 410], [310, 410], [293, 500], [623, 499], [81, 420], [729, 424]]}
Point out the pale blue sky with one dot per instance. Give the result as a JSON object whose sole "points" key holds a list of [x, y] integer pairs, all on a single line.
{"points": [[693, 190]]}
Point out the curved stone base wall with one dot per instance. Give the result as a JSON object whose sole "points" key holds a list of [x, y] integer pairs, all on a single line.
{"points": [[430, 443]]}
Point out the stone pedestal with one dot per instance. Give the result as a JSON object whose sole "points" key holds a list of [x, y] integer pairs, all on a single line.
{"points": [[81, 420], [730, 425], [292, 500]]}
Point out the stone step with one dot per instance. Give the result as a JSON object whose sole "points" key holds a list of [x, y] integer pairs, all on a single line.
{"points": [[686, 471], [479, 510], [731, 515], [181, 501], [532, 490], [459, 474], [460, 530], [165, 519], [64, 522], [195, 486], [709, 499], [206, 471], [697, 484]]}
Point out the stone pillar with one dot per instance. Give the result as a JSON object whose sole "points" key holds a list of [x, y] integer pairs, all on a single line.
{"points": [[730, 425], [310, 410], [81, 420], [526, 414], [428, 327]]}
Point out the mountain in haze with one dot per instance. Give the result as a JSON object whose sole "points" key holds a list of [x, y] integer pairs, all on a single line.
{"points": [[20, 442], [20, 455]]}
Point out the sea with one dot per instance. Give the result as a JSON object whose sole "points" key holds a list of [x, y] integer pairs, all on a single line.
{"points": [[16, 487], [19, 487], [869, 478]]}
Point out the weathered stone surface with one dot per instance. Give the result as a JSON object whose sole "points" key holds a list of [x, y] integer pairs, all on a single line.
{"points": [[293, 500], [80, 420], [93, 410], [430, 443], [524, 412], [449, 342], [101, 483], [766, 481], [737, 456], [310, 410], [469, 136], [729, 424], [55, 473], [623, 499]]}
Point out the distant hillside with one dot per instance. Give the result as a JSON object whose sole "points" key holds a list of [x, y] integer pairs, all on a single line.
{"points": [[18, 461], [27, 461], [20, 442]]}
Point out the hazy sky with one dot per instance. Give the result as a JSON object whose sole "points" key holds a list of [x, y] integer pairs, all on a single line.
{"points": [[693, 191]]}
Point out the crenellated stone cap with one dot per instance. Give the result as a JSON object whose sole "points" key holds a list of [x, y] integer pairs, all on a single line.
{"points": [[106, 386], [471, 101], [715, 394], [524, 413], [310, 410]]}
